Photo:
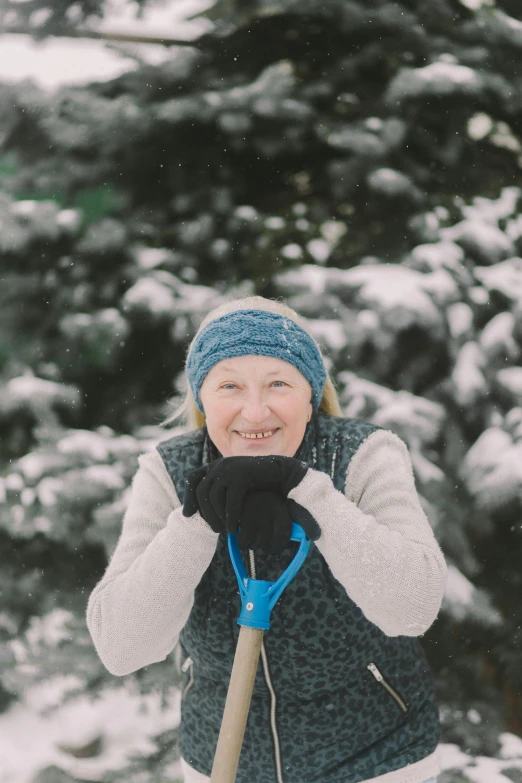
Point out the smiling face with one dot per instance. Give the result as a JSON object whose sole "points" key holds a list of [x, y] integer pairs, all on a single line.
{"points": [[248, 394]]}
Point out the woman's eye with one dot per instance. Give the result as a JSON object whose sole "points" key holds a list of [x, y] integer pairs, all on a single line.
{"points": [[225, 385]]}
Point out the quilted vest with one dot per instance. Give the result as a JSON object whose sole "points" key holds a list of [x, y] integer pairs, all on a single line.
{"points": [[352, 702]]}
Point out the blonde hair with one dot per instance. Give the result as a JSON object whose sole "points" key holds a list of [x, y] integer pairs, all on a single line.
{"points": [[188, 411]]}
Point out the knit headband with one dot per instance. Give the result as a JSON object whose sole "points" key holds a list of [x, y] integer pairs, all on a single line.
{"points": [[258, 332]]}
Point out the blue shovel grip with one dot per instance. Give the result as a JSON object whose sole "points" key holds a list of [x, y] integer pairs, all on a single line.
{"points": [[258, 597]]}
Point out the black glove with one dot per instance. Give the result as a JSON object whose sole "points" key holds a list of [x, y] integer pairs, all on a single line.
{"points": [[217, 490], [266, 521]]}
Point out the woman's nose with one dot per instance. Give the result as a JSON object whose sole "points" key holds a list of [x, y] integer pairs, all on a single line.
{"points": [[255, 408]]}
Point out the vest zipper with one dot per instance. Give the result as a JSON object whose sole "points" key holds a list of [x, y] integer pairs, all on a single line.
{"points": [[273, 703], [378, 676], [188, 663]]}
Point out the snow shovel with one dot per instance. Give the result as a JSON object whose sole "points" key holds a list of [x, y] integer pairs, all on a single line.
{"points": [[258, 598]]}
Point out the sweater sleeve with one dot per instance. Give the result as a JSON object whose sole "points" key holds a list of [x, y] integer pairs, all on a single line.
{"points": [[376, 538], [137, 610]]}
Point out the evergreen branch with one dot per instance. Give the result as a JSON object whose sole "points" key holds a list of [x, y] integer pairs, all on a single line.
{"points": [[198, 43]]}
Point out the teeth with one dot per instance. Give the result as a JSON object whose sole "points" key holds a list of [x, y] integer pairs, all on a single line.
{"points": [[258, 435]]}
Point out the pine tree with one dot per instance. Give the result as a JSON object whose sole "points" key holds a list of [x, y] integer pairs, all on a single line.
{"points": [[361, 160]]}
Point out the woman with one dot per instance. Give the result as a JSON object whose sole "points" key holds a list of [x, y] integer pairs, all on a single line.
{"points": [[344, 693]]}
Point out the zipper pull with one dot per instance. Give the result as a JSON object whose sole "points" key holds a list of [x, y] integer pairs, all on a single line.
{"points": [[186, 664], [375, 671]]}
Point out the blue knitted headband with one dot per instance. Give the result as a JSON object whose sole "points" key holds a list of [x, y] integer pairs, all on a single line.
{"points": [[258, 332]]}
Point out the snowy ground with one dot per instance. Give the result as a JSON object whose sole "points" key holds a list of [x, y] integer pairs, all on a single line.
{"points": [[127, 721], [30, 739], [59, 61]]}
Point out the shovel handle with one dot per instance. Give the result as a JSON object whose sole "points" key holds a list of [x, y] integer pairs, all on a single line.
{"points": [[257, 599], [237, 705]]}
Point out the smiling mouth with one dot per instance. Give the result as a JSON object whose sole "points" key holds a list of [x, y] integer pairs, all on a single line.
{"points": [[256, 439]]}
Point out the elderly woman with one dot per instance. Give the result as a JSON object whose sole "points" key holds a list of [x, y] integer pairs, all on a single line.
{"points": [[344, 693]]}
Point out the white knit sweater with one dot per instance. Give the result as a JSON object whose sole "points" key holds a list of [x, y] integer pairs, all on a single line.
{"points": [[375, 538]]}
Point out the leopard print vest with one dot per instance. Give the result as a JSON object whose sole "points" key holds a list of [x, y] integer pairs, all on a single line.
{"points": [[336, 722]]}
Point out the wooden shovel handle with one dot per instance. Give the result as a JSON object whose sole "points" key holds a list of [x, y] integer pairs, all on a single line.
{"points": [[237, 705]]}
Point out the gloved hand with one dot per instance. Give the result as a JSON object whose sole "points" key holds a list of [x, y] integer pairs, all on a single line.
{"points": [[217, 490], [266, 521]]}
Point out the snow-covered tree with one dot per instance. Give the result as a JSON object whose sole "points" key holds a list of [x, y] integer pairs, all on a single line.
{"points": [[362, 160]]}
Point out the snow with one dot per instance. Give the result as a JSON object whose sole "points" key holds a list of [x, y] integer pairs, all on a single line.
{"points": [[401, 296], [474, 717], [417, 416], [390, 182], [510, 378], [513, 423], [485, 241], [474, 5], [69, 219], [492, 210], [442, 287], [469, 383], [59, 61], [479, 126], [274, 223], [367, 320], [374, 123], [463, 601], [85, 442], [510, 746], [48, 490], [425, 470], [24, 208], [319, 249], [460, 320], [506, 27], [447, 72], [150, 295], [414, 419], [51, 64], [478, 294], [435, 255], [497, 338], [100, 446], [452, 757], [104, 475], [13, 481], [356, 141], [35, 393], [332, 231], [392, 288], [437, 78], [246, 212], [329, 333], [292, 251], [150, 257], [50, 629], [505, 277], [125, 720], [486, 770], [492, 469]]}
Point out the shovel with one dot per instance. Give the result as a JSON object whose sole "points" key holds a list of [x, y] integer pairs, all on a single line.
{"points": [[258, 598]]}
